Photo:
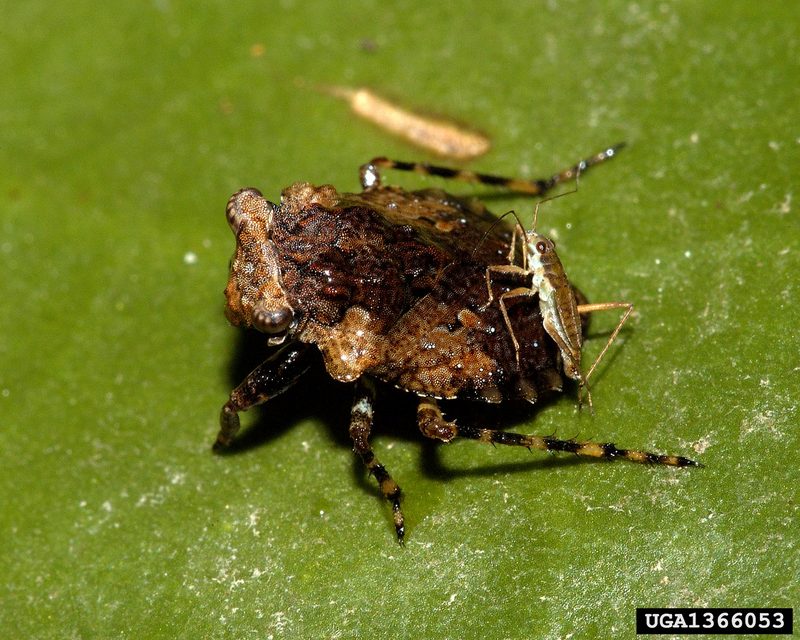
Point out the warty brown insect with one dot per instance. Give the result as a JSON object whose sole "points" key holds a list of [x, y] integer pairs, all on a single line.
{"points": [[391, 286]]}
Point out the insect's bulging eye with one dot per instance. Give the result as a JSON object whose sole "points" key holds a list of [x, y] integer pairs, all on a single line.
{"points": [[237, 209], [541, 247], [272, 321]]}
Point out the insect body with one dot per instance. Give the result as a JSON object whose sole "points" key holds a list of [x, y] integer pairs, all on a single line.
{"points": [[390, 285], [558, 305]]}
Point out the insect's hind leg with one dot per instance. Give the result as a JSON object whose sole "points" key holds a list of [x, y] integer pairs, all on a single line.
{"points": [[585, 308], [360, 428], [433, 425], [371, 178], [267, 380]]}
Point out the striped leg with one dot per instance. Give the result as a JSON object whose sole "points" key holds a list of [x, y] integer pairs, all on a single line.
{"points": [[360, 427], [371, 178], [433, 425], [267, 380]]}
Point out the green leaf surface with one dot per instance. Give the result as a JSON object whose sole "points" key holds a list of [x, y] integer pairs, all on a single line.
{"points": [[126, 126]]}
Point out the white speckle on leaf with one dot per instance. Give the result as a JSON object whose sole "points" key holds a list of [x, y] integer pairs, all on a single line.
{"points": [[762, 421], [252, 521], [786, 205], [280, 621], [701, 445], [190, 257]]}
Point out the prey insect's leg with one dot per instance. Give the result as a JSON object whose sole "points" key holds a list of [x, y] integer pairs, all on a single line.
{"points": [[370, 174], [360, 427], [509, 268], [433, 425], [603, 306], [503, 269], [267, 380], [520, 292]]}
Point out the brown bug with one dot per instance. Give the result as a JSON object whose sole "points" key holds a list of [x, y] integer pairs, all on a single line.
{"points": [[391, 285]]}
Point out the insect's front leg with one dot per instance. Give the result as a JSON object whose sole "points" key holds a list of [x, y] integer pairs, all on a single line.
{"points": [[267, 380], [504, 269], [370, 177], [360, 428]]}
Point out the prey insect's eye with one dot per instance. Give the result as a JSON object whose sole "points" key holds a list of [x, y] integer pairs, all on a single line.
{"points": [[272, 321]]}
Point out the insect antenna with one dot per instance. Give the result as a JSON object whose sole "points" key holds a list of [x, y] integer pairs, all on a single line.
{"points": [[556, 196], [485, 235], [518, 227]]}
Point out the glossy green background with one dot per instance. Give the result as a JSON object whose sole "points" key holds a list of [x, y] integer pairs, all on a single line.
{"points": [[124, 127]]}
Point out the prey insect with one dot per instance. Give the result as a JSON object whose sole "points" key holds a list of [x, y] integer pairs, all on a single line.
{"points": [[558, 305], [390, 286]]}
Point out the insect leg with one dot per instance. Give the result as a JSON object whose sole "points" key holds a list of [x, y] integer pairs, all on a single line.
{"points": [[586, 449], [370, 174], [603, 306], [267, 380], [506, 269], [360, 427], [433, 424], [520, 292]]}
